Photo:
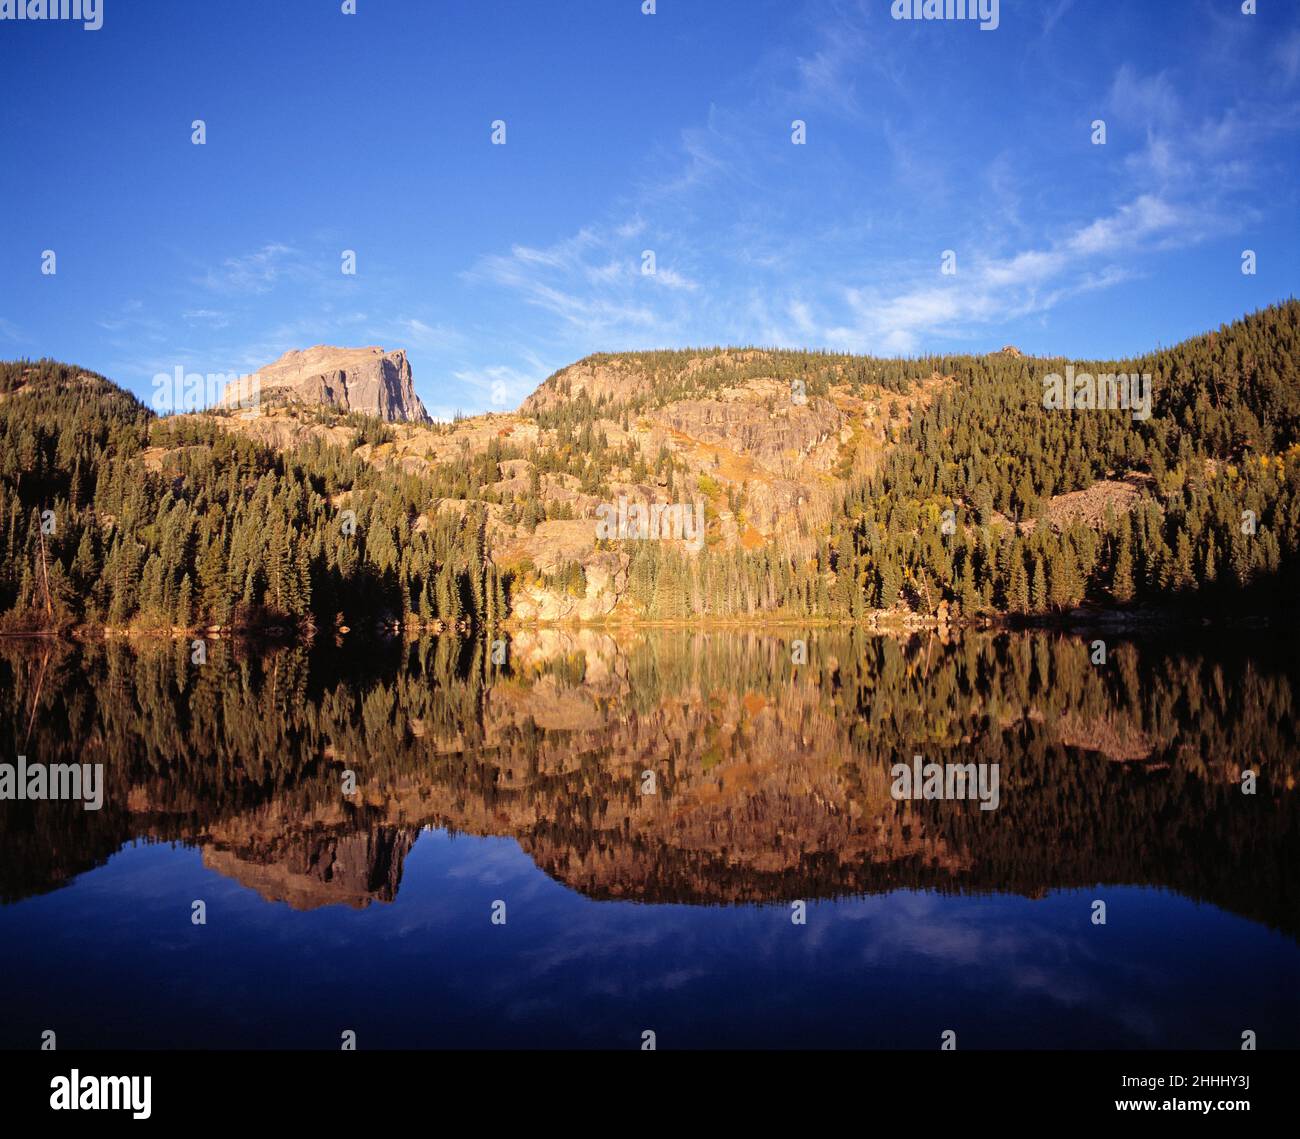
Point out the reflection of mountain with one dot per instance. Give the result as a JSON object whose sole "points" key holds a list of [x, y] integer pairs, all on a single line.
{"points": [[317, 869], [771, 781]]}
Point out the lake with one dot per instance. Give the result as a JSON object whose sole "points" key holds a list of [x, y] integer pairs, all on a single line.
{"points": [[571, 839]]}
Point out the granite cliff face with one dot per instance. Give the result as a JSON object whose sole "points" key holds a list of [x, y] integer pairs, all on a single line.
{"points": [[762, 442], [724, 428], [366, 380]]}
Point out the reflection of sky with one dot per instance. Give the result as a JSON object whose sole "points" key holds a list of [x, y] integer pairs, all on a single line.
{"points": [[113, 959]]}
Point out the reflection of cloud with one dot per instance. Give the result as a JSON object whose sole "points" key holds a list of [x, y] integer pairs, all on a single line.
{"points": [[496, 862], [1016, 947], [942, 947]]}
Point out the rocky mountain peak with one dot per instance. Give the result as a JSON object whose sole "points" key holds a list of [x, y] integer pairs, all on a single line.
{"points": [[366, 380]]}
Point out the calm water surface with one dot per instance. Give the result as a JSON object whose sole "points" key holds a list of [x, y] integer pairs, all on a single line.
{"points": [[526, 784]]}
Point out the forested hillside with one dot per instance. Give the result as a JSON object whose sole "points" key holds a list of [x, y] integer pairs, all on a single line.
{"points": [[830, 486], [230, 532], [1217, 522]]}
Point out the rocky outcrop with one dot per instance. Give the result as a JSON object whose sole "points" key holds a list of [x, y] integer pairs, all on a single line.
{"points": [[308, 868], [366, 380], [727, 432]]}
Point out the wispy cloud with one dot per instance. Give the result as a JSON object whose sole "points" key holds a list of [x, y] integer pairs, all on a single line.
{"points": [[412, 332], [597, 282], [1053, 14], [256, 272], [780, 276], [1287, 55], [835, 243], [206, 317], [994, 290], [503, 386]]}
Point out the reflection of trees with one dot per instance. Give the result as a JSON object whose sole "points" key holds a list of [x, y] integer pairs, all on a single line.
{"points": [[772, 780]]}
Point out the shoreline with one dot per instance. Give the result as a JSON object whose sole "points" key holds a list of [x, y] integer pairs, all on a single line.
{"points": [[1120, 621]]}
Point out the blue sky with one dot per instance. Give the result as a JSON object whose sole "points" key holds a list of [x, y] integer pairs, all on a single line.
{"points": [[494, 265]]}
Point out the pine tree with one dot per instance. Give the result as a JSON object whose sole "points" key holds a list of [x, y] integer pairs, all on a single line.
{"points": [[185, 603], [1038, 587], [1121, 586], [1018, 586]]}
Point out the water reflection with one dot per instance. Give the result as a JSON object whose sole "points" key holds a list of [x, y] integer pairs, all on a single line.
{"points": [[771, 781]]}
